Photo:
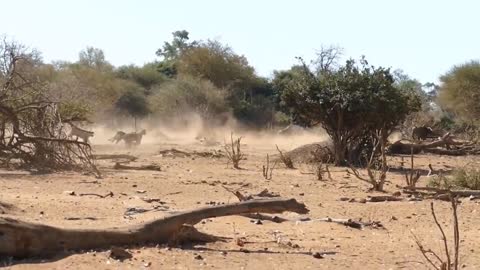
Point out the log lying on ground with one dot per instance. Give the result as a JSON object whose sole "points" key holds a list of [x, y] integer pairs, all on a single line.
{"points": [[406, 147], [24, 239], [461, 193], [384, 198], [152, 167], [261, 195], [442, 194]]}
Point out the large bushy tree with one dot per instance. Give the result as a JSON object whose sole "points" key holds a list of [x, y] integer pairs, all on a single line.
{"points": [[351, 102], [459, 92]]}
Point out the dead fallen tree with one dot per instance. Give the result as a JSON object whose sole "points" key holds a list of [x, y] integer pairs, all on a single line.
{"points": [[437, 262], [445, 145], [22, 239], [32, 130], [261, 195], [438, 191]]}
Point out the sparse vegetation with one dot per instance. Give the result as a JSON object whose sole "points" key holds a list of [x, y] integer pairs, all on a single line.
{"points": [[376, 169], [461, 178], [285, 159], [411, 178], [31, 129], [234, 152], [267, 170], [436, 261], [342, 118]]}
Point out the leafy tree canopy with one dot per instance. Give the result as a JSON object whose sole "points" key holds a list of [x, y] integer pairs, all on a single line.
{"points": [[460, 91]]}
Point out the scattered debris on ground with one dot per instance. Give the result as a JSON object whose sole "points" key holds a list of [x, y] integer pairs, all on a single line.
{"points": [[173, 152], [151, 167]]}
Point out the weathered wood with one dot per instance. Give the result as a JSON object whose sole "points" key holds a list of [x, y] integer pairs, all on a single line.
{"points": [[25, 239], [403, 147], [151, 167], [384, 198], [349, 222], [264, 193], [461, 193]]}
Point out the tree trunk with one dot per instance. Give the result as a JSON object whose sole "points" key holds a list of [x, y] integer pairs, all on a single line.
{"points": [[339, 148], [24, 239]]}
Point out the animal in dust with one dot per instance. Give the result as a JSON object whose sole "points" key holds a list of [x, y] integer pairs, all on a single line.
{"points": [[132, 138], [80, 133], [422, 133]]}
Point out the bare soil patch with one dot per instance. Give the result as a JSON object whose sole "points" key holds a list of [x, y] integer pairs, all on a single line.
{"points": [[320, 240]]}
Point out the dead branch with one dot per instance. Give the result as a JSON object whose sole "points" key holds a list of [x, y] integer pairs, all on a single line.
{"points": [[349, 222], [456, 193], [81, 218], [384, 199], [377, 173], [425, 253], [444, 237], [174, 152], [151, 167], [109, 194], [447, 140], [264, 193], [285, 159], [412, 178], [234, 153], [261, 195], [151, 200], [24, 239], [442, 264], [31, 128], [267, 170]]}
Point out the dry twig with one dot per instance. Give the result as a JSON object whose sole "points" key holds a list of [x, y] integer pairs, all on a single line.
{"points": [[234, 153], [285, 159], [412, 178], [267, 170], [437, 262]]}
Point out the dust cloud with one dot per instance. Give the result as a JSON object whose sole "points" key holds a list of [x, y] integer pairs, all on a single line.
{"points": [[192, 129]]}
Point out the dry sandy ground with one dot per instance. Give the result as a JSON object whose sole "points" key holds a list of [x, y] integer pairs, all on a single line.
{"points": [[188, 183]]}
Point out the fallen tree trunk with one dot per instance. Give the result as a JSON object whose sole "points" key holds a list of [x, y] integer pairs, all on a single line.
{"points": [[407, 148], [264, 193], [384, 199], [24, 239], [448, 152], [461, 193]]}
